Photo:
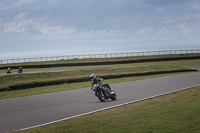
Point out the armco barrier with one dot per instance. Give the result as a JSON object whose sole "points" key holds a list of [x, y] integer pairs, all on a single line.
{"points": [[105, 63], [106, 55]]}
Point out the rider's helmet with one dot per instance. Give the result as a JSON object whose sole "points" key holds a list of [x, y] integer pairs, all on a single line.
{"points": [[92, 76]]}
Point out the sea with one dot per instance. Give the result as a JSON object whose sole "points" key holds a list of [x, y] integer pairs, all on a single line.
{"points": [[38, 54]]}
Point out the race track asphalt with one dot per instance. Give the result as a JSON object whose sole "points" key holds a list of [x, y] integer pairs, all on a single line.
{"points": [[23, 112]]}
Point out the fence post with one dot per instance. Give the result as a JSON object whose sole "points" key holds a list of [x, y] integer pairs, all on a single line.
{"points": [[101, 55]]}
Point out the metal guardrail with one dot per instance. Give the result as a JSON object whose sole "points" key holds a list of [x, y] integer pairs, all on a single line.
{"points": [[107, 55]]}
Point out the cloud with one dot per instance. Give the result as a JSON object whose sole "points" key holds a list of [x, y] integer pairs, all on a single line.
{"points": [[145, 31], [100, 34], [97, 20], [159, 9], [43, 29], [17, 26], [170, 20], [196, 6], [107, 33], [165, 31], [20, 2], [21, 16], [56, 31], [29, 25], [197, 16]]}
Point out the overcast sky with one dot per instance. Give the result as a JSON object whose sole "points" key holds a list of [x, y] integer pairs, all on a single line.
{"points": [[38, 25]]}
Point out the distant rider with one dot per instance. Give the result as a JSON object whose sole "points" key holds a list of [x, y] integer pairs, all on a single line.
{"points": [[9, 70]]}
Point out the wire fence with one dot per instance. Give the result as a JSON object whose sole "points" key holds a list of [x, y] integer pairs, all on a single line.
{"points": [[107, 55]]}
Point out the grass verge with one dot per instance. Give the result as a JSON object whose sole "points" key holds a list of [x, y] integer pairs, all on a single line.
{"points": [[31, 78], [176, 112], [182, 63]]}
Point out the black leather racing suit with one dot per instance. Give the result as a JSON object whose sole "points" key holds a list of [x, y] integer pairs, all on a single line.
{"points": [[97, 80]]}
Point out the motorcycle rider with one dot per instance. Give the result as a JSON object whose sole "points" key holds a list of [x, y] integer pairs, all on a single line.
{"points": [[96, 80], [9, 70]]}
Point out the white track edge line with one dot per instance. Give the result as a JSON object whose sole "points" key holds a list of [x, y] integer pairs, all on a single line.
{"points": [[109, 107]]}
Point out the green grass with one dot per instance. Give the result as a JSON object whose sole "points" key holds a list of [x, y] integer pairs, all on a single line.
{"points": [[173, 113], [177, 62], [14, 79]]}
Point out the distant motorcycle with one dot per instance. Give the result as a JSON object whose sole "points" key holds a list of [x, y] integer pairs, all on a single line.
{"points": [[20, 70], [104, 95]]}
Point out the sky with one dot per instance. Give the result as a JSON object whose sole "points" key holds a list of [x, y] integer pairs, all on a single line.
{"points": [[47, 25]]}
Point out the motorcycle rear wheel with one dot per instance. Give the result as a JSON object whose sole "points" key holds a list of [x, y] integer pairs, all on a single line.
{"points": [[112, 96]]}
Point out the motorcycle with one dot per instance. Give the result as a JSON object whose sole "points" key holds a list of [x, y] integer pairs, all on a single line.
{"points": [[20, 70], [104, 95], [9, 71]]}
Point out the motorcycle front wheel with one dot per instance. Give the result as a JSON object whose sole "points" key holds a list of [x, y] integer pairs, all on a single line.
{"points": [[113, 96], [100, 96]]}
